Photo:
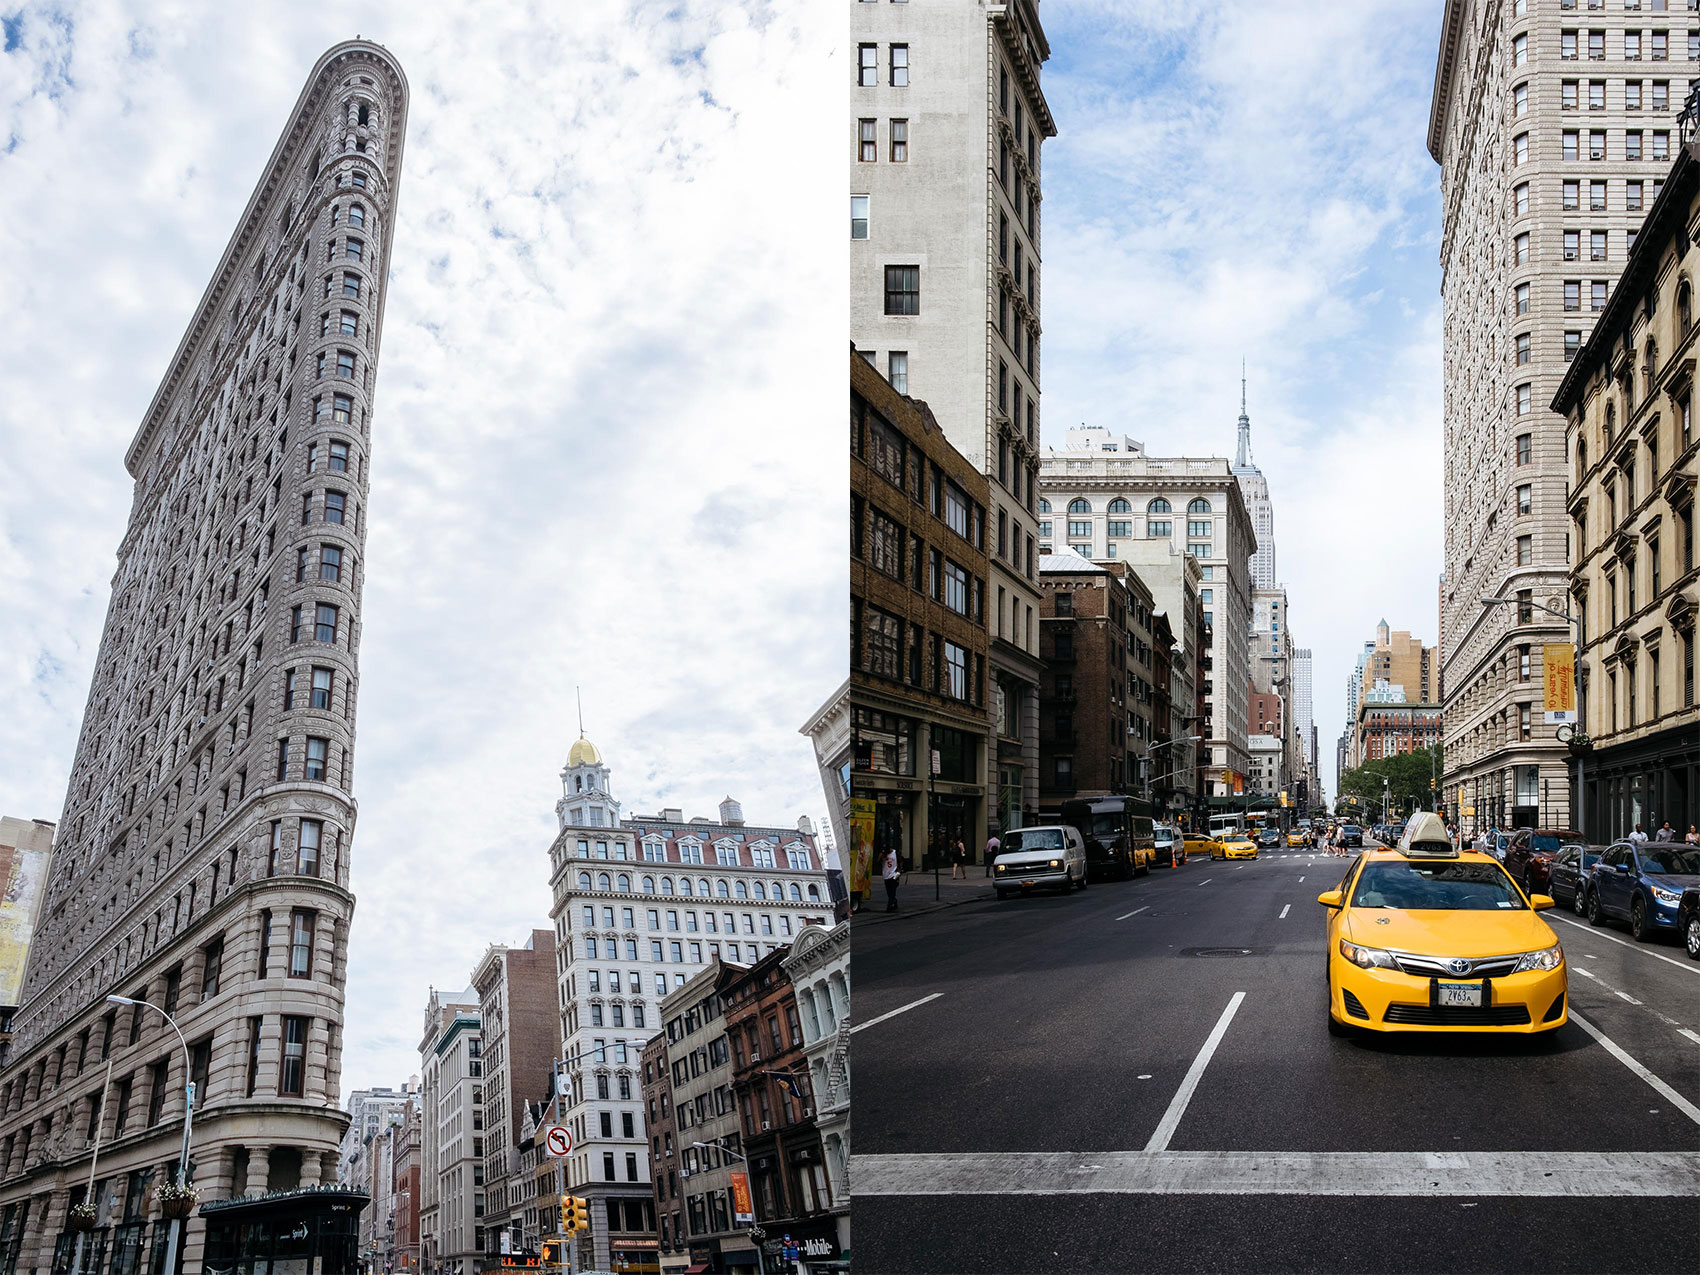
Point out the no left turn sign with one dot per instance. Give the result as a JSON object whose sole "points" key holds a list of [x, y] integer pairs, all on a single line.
{"points": [[558, 1141]]}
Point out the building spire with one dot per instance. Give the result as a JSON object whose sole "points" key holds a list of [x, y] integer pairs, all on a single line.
{"points": [[579, 695], [1242, 458]]}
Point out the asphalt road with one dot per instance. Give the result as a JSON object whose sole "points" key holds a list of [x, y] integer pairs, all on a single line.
{"points": [[1055, 1103]]}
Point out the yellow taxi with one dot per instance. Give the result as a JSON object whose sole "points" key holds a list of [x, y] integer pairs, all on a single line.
{"points": [[1298, 838], [1425, 937], [1235, 845], [1200, 843]]}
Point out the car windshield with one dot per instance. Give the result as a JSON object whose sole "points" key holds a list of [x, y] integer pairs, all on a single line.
{"points": [[1669, 859], [1107, 825], [1352, 829], [1034, 839], [1543, 841], [1424, 887]]}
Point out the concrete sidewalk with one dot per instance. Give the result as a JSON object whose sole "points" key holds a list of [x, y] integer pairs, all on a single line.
{"points": [[915, 895]]}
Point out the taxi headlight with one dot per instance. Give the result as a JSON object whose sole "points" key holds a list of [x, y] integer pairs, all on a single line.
{"points": [[1367, 958], [1665, 896], [1546, 959]]}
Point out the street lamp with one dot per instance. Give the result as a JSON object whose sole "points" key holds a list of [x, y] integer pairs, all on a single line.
{"points": [[1168, 743], [755, 1233], [1575, 622], [188, 1121]]}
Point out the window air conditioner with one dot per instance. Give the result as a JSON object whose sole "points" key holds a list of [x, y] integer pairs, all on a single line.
{"points": [[766, 1126]]}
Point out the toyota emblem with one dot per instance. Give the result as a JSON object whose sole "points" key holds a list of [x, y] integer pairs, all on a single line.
{"points": [[1459, 966]]}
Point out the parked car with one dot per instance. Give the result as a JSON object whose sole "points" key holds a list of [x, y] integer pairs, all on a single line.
{"points": [[1567, 875], [1167, 844], [1688, 921], [1642, 885], [1352, 835], [1529, 857], [1034, 857]]}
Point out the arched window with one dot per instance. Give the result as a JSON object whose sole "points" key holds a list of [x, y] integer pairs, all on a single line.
{"points": [[649, 885], [1079, 506], [796, 893], [1684, 307], [1120, 506], [666, 885], [702, 887], [1044, 505], [1611, 422], [778, 890], [761, 890], [1158, 506], [685, 886], [365, 114], [721, 889], [584, 880], [741, 890], [602, 882], [1199, 506], [1650, 369], [814, 893], [625, 885]]}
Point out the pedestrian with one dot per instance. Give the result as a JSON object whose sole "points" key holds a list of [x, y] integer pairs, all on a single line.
{"points": [[888, 871], [1666, 832], [958, 860], [1639, 836], [992, 848], [1693, 837]]}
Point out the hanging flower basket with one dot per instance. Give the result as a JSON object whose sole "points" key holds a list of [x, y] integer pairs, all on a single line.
{"points": [[1580, 743], [177, 1201], [81, 1217]]}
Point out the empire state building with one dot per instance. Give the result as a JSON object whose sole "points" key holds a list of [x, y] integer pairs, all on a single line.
{"points": [[1255, 488]]}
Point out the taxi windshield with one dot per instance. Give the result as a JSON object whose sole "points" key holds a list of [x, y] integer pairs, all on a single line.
{"points": [[1662, 859], [1034, 839], [1437, 887]]}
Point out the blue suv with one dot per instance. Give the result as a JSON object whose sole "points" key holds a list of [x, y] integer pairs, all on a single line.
{"points": [[1642, 885]]}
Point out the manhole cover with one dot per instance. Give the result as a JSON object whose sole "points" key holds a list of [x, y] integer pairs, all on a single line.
{"points": [[1219, 951]]}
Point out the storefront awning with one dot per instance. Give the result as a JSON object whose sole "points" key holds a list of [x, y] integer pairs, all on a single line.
{"points": [[697, 1269]]}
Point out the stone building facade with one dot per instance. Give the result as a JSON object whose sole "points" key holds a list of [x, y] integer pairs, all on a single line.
{"points": [[641, 904], [1095, 728], [203, 852], [1102, 495], [1176, 583], [451, 1140], [517, 1021], [819, 969], [920, 648], [945, 295], [1553, 128], [1630, 443]]}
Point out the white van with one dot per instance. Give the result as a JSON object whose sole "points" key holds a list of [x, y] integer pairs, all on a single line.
{"points": [[1029, 858]]}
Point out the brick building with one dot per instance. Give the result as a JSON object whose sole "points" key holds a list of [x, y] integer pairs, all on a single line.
{"points": [[203, 852], [1096, 693], [451, 1181], [918, 571], [517, 1010], [789, 1182], [664, 1159]]}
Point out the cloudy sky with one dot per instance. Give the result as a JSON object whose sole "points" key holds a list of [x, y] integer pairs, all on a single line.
{"points": [[606, 450], [1250, 179]]}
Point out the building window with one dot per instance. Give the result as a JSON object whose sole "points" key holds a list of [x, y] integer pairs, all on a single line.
{"points": [[899, 66], [899, 130], [1523, 348], [282, 761], [292, 1075], [1572, 245], [1525, 551], [342, 408], [1568, 145], [1525, 498], [212, 965], [322, 687], [301, 926], [858, 216], [316, 751], [1525, 395], [1596, 245], [903, 289], [1520, 147], [307, 859], [868, 143], [897, 364], [1569, 196], [330, 563], [324, 622], [1524, 448]]}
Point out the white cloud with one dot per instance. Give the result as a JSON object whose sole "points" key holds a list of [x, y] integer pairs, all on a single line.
{"points": [[1251, 180], [601, 453]]}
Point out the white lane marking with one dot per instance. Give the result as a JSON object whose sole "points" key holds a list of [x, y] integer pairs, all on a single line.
{"points": [[1663, 1018], [1301, 880], [1124, 916], [1286, 908], [1207, 881], [1481, 1174], [1588, 973], [1690, 1033], [1691, 966], [901, 1009], [1626, 996], [1622, 1055], [1177, 1105]]}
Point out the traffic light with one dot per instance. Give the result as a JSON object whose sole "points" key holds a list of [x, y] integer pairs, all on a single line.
{"points": [[575, 1214], [551, 1253]]}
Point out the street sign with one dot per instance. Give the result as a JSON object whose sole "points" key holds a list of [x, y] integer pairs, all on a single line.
{"points": [[935, 761], [1562, 717], [557, 1141]]}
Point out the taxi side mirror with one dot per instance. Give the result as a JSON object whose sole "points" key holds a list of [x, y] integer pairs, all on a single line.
{"points": [[1331, 898], [1541, 902]]}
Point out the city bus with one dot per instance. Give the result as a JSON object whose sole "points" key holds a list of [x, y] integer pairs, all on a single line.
{"points": [[1222, 825], [1118, 833]]}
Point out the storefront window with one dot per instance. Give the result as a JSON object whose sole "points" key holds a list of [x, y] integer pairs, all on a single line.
{"points": [[957, 755], [884, 743]]}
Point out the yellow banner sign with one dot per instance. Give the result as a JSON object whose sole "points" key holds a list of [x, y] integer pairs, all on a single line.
{"points": [[862, 820], [1559, 660]]}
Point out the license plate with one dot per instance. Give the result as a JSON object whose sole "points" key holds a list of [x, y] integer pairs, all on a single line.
{"points": [[1026, 885], [1464, 994]]}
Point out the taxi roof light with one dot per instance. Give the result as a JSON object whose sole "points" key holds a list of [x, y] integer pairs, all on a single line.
{"points": [[1426, 838]]}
